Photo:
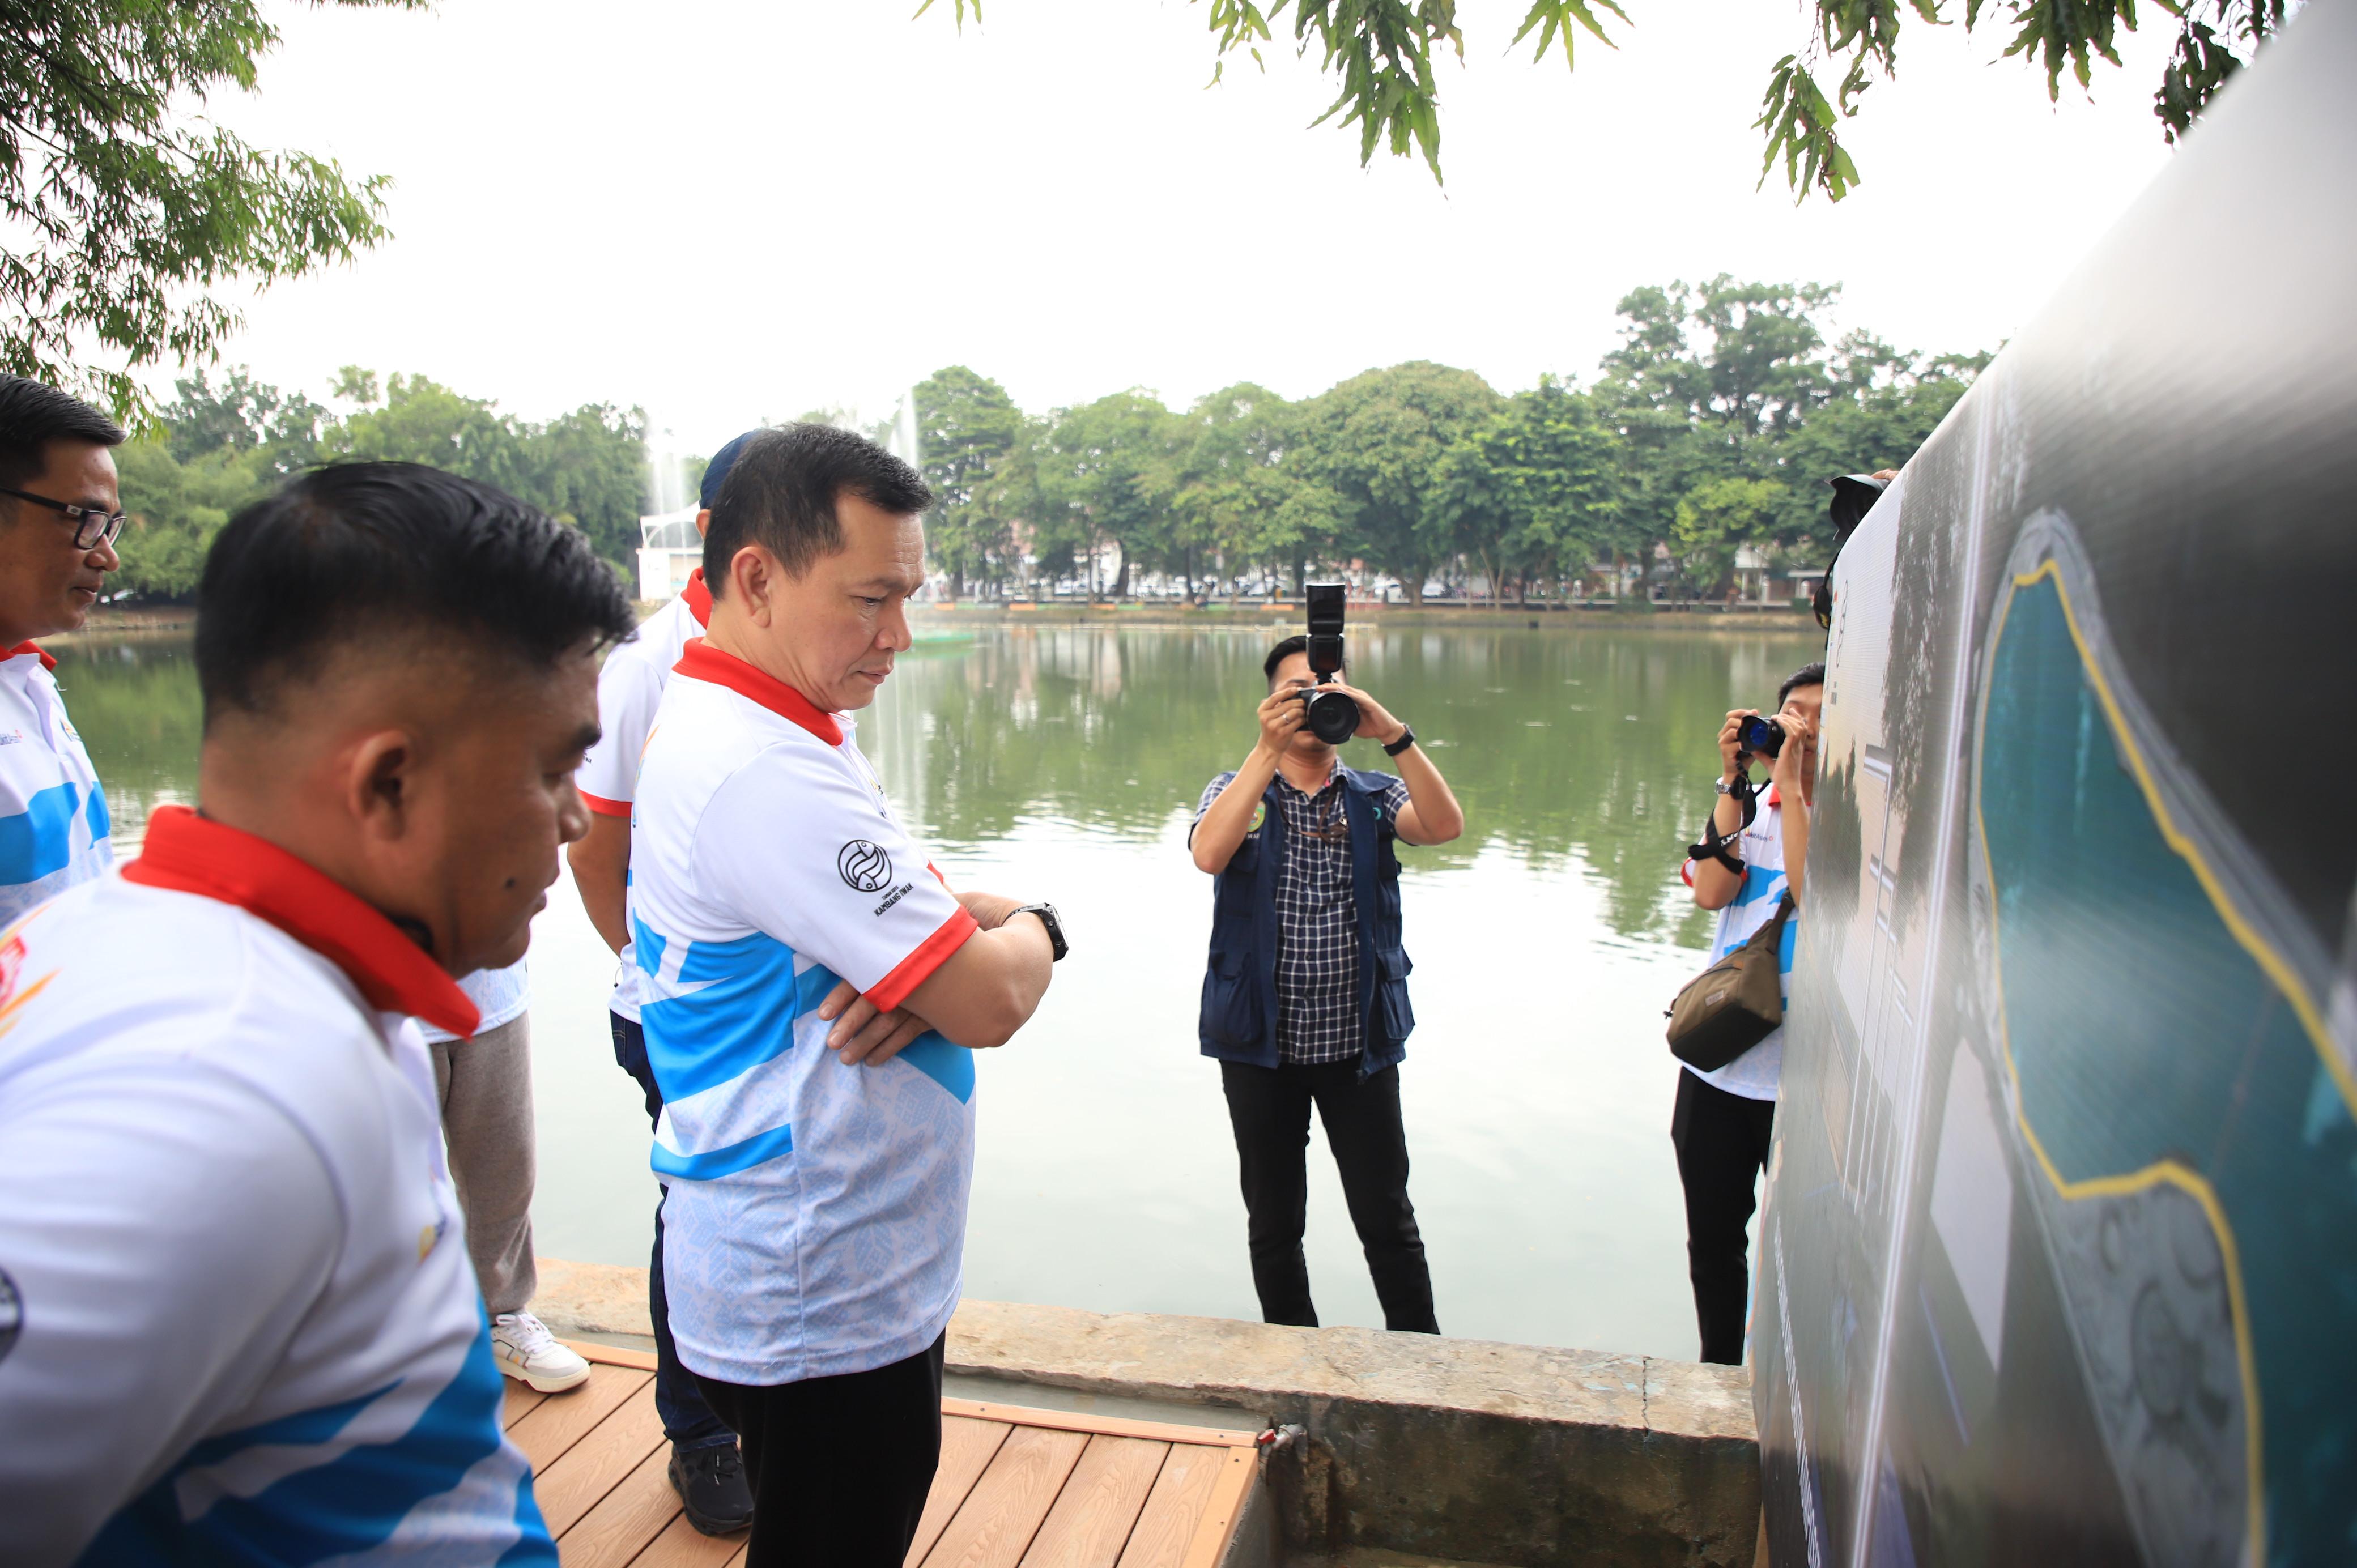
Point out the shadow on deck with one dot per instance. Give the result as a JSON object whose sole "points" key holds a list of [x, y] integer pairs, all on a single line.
{"points": [[1016, 1487]]}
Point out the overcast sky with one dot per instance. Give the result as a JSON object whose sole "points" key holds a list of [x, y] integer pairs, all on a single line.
{"points": [[730, 209]]}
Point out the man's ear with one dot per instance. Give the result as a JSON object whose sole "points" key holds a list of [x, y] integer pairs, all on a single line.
{"points": [[377, 786], [753, 577], [704, 522]]}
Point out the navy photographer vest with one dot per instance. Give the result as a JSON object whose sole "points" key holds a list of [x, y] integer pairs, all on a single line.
{"points": [[1239, 1008]]}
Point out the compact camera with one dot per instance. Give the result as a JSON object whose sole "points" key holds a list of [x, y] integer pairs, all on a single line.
{"points": [[1333, 716], [1760, 737]]}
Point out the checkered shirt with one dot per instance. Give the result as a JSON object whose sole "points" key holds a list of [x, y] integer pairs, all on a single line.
{"points": [[1318, 1018]]}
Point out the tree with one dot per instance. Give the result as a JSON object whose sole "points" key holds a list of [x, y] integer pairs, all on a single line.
{"points": [[126, 206], [1104, 472], [1241, 500], [1534, 491], [1375, 441], [966, 425], [1379, 53]]}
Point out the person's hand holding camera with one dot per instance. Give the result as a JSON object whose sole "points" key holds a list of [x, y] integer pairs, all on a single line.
{"points": [[1282, 713], [1793, 761], [1733, 760], [1375, 721]]}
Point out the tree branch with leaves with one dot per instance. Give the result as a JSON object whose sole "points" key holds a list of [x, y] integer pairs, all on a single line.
{"points": [[124, 207]]}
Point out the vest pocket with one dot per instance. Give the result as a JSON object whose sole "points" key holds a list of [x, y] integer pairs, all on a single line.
{"points": [[1392, 967], [1232, 1000]]}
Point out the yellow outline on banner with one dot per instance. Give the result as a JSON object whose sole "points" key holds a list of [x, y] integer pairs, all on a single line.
{"points": [[2167, 1172]]}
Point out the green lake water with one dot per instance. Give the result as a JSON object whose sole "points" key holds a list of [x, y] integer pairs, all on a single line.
{"points": [[1064, 764]]}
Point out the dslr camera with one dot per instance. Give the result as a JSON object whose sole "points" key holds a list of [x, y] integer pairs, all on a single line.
{"points": [[1332, 716], [1760, 737]]}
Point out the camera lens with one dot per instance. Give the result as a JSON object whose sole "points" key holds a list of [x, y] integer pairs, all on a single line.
{"points": [[1333, 717], [1762, 737]]}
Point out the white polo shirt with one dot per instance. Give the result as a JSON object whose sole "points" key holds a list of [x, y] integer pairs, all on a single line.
{"points": [[816, 1217], [1758, 1072], [53, 823], [240, 1324], [629, 688]]}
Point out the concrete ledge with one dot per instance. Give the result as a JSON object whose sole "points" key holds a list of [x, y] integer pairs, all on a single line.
{"points": [[1451, 1448]]}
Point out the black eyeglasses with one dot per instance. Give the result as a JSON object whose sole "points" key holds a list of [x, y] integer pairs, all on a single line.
{"points": [[92, 528]]}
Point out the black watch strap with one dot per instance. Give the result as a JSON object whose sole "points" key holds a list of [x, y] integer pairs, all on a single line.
{"points": [[1406, 739], [1047, 913]]}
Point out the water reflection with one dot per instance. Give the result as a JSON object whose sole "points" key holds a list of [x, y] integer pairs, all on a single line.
{"points": [[1585, 745]]}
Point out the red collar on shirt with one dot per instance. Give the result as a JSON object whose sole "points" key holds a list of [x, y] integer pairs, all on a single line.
{"points": [[702, 661], [698, 597], [1773, 797], [36, 649], [189, 853]]}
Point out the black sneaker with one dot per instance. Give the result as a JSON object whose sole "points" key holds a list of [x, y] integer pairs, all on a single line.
{"points": [[710, 1482]]}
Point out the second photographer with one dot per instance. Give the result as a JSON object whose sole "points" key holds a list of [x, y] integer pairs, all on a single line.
{"points": [[1305, 999]]}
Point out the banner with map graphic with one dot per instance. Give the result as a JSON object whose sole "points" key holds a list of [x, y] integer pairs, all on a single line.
{"points": [[2058, 1256]]}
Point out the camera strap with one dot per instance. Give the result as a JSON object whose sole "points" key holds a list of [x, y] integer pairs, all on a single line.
{"points": [[1714, 847]]}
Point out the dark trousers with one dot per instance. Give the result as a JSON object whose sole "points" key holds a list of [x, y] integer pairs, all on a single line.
{"points": [[687, 1419], [1722, 1142], [839, 1466], [1269, 1108]]}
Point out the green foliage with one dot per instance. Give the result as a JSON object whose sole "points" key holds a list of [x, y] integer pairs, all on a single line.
{"points": [[215, 449], [1376, 442], [965, 424], [126, 205], [1379, 54]]}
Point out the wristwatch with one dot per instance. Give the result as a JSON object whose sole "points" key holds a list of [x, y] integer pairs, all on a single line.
{"points": [[1406, 739], [1047, 913]]}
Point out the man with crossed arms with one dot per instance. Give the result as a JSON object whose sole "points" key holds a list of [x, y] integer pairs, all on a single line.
{"points": [[812, 995]]}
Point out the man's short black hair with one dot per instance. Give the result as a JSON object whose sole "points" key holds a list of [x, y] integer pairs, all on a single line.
{"points": [[1806, 675], [32, 416], [379, 554], [1296, 643], [781, 494]]}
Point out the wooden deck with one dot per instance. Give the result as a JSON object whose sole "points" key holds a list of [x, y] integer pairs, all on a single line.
{"points": [[1016, 1487]]}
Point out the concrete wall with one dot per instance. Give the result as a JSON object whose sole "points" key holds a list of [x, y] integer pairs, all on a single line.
{"points": [[1459, 1448]]}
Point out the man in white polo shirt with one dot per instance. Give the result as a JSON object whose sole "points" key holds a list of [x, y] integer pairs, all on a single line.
{"points": [[812, 995], [238, 1323], [706, 1467], [60, 515]]}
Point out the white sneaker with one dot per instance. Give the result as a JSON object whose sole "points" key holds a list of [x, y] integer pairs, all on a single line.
{"points": [[529, 1354]]}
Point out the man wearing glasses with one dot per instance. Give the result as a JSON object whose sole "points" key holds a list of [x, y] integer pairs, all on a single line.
{"points": [[59, 514], [1306, 1001]]}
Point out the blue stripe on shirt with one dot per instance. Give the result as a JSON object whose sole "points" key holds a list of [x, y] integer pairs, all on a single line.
{"points": [[38, 839]]}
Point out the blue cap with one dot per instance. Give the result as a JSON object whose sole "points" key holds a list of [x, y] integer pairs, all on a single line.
{"points": [[718, 469]]}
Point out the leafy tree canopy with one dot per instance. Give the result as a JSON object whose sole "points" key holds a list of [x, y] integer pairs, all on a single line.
{"points": [[1379, 54], [127, 206]]}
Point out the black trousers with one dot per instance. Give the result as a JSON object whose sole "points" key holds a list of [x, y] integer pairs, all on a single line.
{"points": [[839, 1466], [1269, 1109], [1722, 1141]]}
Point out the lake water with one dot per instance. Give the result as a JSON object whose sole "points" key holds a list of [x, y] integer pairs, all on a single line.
{"points": [[1064, 764]]}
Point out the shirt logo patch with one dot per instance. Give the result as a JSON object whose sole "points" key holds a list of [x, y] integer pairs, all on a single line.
{"points": [[1260, 815], [864, 866]]}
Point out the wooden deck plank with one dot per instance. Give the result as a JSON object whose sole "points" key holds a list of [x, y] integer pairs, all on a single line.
{"points": [[1100, 1425], [994, 1527], [1219, 1521], [1166, 1528], [1099, 1504], [597, 1463], [613, 1355], [520, 1402], [560, 1421], [682, 1545], [626, 1519], [967, 1448]]}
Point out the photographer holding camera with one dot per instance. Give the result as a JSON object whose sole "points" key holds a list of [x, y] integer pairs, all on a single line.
{"points": [[1748, 860], [1306, 997]]}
